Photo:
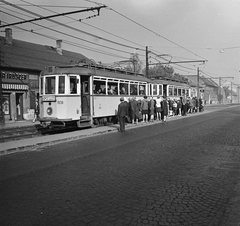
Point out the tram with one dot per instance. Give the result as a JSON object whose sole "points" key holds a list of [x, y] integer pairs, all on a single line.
{"points": [[84, 95]]}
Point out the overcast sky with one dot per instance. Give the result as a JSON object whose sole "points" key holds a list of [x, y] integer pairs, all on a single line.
{"points": [[182, 30]]}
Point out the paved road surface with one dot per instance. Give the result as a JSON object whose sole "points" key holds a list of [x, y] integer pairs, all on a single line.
{"points": [[183, 172]]}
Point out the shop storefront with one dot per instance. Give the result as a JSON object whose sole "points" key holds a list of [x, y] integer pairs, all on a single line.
{"points": [[17, 94]]}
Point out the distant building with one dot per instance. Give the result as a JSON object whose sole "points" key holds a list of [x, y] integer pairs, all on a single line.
{"points": [[209, 90], [20, 66]]}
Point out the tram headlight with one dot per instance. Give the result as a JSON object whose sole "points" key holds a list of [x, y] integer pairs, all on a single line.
{"points": [[49, 110]]}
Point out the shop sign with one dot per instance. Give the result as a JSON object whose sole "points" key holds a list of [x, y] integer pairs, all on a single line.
{"points": [[15, 86], [15, 77]]}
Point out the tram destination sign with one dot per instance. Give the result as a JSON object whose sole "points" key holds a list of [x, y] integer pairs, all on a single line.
{"points": [[14, 77]]}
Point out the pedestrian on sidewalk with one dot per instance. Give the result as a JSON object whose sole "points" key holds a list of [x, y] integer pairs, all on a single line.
{"points": [[122, 114], [158, 107], [164, 107], [145, 108], [134, 110], [36, 111]]}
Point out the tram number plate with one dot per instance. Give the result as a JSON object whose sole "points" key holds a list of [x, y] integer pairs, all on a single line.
{"points": [[60, 102]]}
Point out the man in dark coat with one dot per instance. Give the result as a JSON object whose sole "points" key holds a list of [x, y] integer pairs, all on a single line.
{"points": [[122, 114], [164, 107]]}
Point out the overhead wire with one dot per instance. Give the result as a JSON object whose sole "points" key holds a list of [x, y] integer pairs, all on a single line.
{"points": [[108, 32], [70, 43], [155, 32], [85, 24], [72, 36], [69, 27]]}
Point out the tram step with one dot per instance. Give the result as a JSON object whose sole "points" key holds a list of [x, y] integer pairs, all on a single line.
{"points": [[84, 123]]}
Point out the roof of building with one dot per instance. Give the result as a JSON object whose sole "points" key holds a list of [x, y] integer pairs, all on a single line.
{"points": [[33, 56]]}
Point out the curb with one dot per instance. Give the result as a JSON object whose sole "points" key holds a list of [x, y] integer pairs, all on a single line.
{"points": [[89, 133]]}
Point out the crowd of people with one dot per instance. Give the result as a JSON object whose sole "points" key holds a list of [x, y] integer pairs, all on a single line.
{"points": [[149, 109]]}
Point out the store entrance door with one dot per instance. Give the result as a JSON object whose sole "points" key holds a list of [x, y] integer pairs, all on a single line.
{"points": [[19, 106]]}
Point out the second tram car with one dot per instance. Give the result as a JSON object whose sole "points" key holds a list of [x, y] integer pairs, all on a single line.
{"points": [[83, 95]]}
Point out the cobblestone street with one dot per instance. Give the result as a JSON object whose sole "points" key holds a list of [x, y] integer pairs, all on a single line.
{"points": [[184, 172]]}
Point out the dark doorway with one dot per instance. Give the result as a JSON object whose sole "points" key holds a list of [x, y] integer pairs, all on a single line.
{"points": [[85, 95], [19, 106]]}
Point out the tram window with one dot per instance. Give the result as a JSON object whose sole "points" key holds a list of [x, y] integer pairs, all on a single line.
{"points": [[160, 90], [41, 85], [150, 90], [99, 87], [61, 84], [154, 89], [112, 88], [73, 84], [187, 92], [133, 89], [124, 88], [50, 83], [142, 90], [86, 90], [170, 91], [183, 91], [175, 91], [179, 92]]}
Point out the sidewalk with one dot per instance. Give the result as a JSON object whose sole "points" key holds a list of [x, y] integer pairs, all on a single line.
{"points": [[22, 145]]}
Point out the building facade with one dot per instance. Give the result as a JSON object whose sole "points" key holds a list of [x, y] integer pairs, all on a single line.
{"points": [[20, 66]]}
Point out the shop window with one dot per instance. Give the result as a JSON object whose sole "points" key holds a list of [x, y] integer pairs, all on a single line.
{"points": [[61, 84], [50, 84], [6, 105]]}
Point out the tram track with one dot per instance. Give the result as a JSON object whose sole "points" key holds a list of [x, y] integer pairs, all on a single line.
{"points": [[18, 133]]}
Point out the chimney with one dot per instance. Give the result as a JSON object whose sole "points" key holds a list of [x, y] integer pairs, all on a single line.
{"points": [[8, 33], [59, 47]]}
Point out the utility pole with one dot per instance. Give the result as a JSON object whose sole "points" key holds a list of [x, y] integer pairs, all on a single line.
{"points": [[238, 87], [220, 99], [147, 65], [198, 82]]}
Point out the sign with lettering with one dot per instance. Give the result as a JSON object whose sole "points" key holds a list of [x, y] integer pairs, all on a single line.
{"points": [[14, 77], [15, 86], [50, 98]]}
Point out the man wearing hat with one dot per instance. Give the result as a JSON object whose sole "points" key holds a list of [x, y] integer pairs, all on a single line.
{"points": [[122, 114]]}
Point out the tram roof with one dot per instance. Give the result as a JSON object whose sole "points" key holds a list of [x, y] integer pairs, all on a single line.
{"points": [[96, 70]]}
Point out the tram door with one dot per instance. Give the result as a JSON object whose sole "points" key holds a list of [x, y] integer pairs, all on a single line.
{"points": [[85, 95]]}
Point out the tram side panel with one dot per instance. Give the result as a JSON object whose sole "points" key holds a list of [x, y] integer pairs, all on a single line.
{"points": [[105, 106]]}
